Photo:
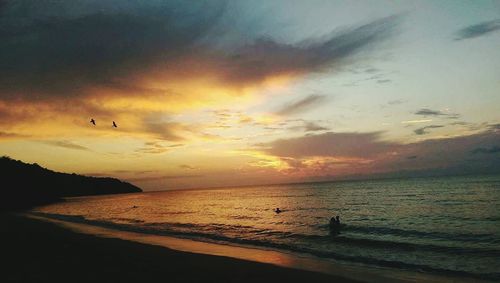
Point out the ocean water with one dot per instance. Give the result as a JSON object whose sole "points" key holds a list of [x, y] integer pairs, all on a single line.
{"points": [[445, 225]]}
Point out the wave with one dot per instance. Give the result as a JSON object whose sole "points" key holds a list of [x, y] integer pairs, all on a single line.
{"points": [[202, 233], [423, 234], [210, 230], [405, 246]]}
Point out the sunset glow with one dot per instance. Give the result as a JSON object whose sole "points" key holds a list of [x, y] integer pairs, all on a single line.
{"points": [[217, 94]]}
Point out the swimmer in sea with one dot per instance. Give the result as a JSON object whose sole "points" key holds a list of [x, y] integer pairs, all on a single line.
{"points": [[335, 225]]}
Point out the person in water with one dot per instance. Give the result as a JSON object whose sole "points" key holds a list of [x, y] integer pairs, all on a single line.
{"points": [[277, 210], [335, 221], [335, 225]]}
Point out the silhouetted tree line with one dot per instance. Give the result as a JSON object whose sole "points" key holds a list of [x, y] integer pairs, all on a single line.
{"points": [[27, 185]]}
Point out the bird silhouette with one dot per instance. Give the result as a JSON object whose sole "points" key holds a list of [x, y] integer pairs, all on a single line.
{"points": [[114, 124], [92, 121]]}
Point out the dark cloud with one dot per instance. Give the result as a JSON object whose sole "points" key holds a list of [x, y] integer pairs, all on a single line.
{"points": [[453, 116], [308, 126], [64, 49], [302, 105], [430, 112], [477, 30], [367, 153], [313, 127], [66, 144], [423, 130], [254, 62], [60, 48], [329, 144]]}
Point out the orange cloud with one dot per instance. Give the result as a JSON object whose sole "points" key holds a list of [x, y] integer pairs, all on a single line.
{"points": [[333, 154]]}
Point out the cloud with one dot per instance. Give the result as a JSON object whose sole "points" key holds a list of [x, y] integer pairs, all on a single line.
{"points": [[416, 121], [494, 126], [477, 30], [302, 105], [366, 153], [372, 70], [313, 127], [384, 81], [66, 144], [308, 126], [63, 62], [70, 49], [7, 135], [428, 112], [329, 144], [189, 167], [156, 147], [64, 48], [459, 123], [396, 102], [164, 130], [256, 61], [422, 131]]}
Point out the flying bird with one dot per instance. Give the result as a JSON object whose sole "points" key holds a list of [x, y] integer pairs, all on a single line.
{"points": [[114, 124], [92, 121]]}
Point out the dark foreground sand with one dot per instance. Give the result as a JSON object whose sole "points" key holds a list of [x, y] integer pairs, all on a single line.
{"points": [[39, 251]]}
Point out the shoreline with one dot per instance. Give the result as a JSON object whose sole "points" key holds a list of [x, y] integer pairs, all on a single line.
{"points": [[278, 259], [37, 250]]}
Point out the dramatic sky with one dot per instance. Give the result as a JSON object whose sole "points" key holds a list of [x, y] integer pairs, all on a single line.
{"points": [[222, 93]]}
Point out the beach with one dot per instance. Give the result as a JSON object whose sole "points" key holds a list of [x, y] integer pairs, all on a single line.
{"points": [[400, 229], [250, 141], [39, 251], [233, 234], [49, 250]]}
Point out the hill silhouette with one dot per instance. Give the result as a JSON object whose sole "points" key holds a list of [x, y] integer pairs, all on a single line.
{"points": [[27, 185]]}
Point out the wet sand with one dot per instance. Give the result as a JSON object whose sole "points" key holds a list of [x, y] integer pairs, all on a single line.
{"points": [[40, 251]]}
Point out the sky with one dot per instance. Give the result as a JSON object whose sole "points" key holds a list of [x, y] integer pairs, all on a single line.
{"points": [[226, 93]]}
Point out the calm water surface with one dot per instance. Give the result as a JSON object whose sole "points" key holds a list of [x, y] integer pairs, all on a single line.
{"points": [[443, 225]]}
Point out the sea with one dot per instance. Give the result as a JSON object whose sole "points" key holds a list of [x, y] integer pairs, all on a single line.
{"points": [[443, 225]]}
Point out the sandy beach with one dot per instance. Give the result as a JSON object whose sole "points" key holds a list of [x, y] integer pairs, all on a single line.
{"points": [[48, 250], [40, 251], [250, 141]]}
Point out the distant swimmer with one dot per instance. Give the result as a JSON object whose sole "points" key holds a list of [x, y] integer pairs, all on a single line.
{"points": [[335, 225], [92, 121], [277, 210], [114, 125]]}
